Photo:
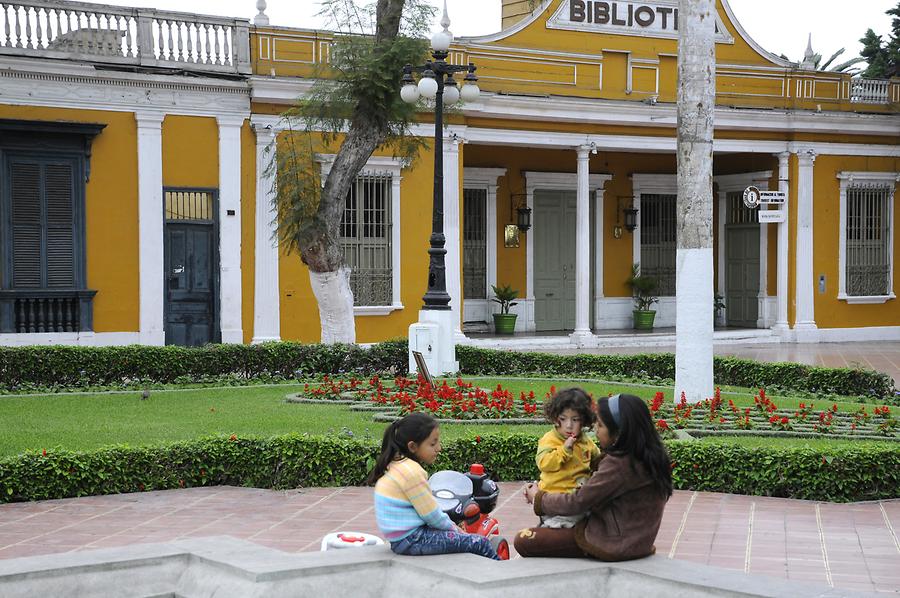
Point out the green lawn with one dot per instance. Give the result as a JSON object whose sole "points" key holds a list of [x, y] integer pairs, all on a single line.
{"points": [[86, 421]]}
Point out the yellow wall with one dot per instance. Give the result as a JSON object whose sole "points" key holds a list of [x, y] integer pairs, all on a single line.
{"points": [[540, 60], [829, 311], [190, 148], [111, 212]]}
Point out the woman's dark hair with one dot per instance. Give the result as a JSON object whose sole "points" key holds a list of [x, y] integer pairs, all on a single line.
{"points": [[570, 398], [636, 436], [415, 427]]}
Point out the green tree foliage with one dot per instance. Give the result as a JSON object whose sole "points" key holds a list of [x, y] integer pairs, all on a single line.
{"points": [[357, 94], [883, 56]]}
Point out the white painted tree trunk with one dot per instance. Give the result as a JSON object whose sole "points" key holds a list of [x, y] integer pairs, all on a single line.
{"points": [[694, 213], [335, 299]]}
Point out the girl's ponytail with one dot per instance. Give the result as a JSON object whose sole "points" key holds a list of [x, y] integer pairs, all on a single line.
{"points": [[415, 427], [389, 450]]}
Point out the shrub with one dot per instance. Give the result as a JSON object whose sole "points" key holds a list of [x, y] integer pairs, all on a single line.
{"points": [[845, 473], [727, 371], [66, 367]]}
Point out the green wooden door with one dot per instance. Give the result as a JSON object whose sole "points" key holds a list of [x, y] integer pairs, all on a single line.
{"points": [[741, 264], [554, 259]]}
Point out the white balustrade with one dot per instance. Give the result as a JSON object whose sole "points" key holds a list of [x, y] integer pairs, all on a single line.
{"points": [[869, 91], [113, 34]]}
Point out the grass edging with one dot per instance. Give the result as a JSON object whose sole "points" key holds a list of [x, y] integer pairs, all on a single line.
{"points": [[839, 474]]}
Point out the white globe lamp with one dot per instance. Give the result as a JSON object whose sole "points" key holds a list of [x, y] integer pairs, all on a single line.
{"points": [[428, 87], [409, 93], [469, 92]]}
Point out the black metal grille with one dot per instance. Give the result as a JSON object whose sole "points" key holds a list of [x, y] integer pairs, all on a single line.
{"points": [[475, 243], [366, 239], [868, 249], [658, 241]]}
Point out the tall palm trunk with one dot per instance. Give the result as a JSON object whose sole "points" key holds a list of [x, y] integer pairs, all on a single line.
{"points": [[694, 213]]}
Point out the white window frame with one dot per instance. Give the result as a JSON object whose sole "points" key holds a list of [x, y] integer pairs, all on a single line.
{"points": [[847, 180], [650, 184], [376, 165], [476, 310]]}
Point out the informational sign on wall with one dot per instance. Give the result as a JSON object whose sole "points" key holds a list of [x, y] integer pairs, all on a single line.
{"points": [[653, 18]]}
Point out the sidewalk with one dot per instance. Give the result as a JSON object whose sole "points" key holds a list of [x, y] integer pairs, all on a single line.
{"points": [[849, 546]]}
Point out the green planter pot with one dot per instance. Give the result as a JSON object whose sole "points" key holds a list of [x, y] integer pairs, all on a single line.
{"points": [[504, 323], [643, 319]]}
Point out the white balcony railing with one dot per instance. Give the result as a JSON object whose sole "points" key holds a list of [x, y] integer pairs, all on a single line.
{"points": [[120, 35], [869, 91]]}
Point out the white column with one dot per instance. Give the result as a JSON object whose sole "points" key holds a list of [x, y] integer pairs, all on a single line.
{"points": [[805, 321], [230, 228], [453, 260], [582, 249], [150, 232], [781, 321], [266, 308], [598, 254]]}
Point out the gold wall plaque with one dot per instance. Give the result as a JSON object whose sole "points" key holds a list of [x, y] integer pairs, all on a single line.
{"points": [[511, 236]]}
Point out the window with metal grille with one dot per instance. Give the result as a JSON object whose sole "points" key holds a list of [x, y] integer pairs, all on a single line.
{"points": [[658, 241], [474, 243], [738, 213], [868, 238], [366, 239], [189, 205]]}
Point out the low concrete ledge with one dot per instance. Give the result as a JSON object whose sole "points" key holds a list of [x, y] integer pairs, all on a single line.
{"points": [[225, 567]]}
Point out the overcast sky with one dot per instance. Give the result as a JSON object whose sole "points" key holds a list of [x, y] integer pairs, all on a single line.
{"points": [[779, 26]]}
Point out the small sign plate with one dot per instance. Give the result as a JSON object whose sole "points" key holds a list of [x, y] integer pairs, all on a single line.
{"points": [[769, 216], [776, 197], [751, 197]]}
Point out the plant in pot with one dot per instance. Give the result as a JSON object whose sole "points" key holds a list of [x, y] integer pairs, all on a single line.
{"points": [[504, 322], [642, 289]]}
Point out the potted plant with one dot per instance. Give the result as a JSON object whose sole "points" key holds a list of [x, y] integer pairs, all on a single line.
{"points": [[642, 289], [504, 322]]}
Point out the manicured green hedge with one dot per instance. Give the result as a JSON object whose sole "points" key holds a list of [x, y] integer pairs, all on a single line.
{"points": [[857, 472], [57, 367], [727, 371], [62, 367]]}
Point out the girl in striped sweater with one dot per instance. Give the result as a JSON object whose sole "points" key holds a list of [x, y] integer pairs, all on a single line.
{"points": [[407, 513]]}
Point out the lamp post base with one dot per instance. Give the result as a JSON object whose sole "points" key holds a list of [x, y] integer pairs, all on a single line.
{"points": [[433, 336]]}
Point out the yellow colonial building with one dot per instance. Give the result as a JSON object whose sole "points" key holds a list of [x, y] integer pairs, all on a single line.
{"points": [[136, 197]]}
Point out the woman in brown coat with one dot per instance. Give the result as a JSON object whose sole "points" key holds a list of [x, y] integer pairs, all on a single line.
{"points": [[625, 497]]}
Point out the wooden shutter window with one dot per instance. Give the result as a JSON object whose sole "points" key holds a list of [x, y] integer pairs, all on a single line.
{"points": [[25, 179], [60, 226]]}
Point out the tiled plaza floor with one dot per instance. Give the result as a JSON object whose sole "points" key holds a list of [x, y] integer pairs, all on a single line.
{"points": [[851, 546]]}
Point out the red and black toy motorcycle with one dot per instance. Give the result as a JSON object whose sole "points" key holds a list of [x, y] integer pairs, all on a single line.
{"points": [[468, 498]]}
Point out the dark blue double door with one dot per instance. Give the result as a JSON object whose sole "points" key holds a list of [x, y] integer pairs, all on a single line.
{"points": [[191, 267]]}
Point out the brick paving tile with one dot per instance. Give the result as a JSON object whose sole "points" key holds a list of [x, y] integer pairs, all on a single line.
{"points": [[785, 539]]}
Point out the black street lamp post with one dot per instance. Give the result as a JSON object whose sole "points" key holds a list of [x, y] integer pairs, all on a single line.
{"points": [[437, 82]]}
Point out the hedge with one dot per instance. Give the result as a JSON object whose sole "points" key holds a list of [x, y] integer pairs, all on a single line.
{"points": [[65, 367], [727, 371], [59, 367], [851, 473]]}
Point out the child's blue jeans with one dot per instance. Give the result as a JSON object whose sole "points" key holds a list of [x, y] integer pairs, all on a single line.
{"points": [[427, 540]]}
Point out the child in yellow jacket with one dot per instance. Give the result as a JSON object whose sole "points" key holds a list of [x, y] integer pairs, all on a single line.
{"points": [[565, 455]]}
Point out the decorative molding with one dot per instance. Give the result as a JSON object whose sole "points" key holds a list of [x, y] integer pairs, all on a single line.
{"points": [[376, 165], [621, 112], [487, 179], [729, 183], [36, 83], [662, 184], [847, 179]]}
